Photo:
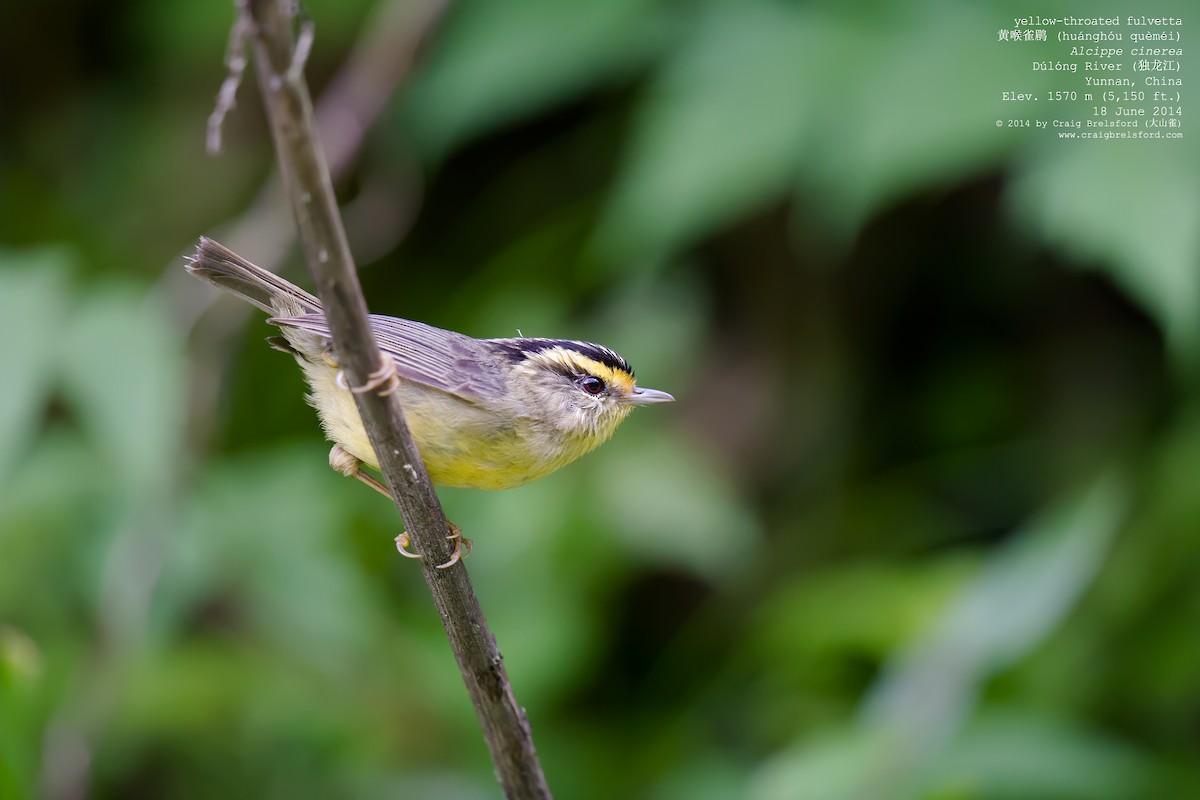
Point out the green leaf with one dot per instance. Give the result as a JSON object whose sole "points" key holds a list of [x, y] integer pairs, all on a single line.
{"points": [[667, 502], [32, 312], [908, 114], [766, 97], [879, 606], [917, 708], [1018, 598], [1019, 754], [499, 59], [122, 370], [1130, 210], [1029, 587], [723, 128], [1005, 755], [20, 688], [266, 532], [824, 767]]}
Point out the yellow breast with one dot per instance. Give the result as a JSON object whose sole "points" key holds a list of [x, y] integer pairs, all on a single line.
{"points": [[462, 444]]}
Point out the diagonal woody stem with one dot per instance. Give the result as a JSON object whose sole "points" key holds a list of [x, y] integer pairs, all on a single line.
{"points": [[306, 180]]}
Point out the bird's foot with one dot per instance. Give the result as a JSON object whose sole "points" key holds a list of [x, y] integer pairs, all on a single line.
{"points": [[385, 376], [462, 546], [402, 543], [350, 466]]}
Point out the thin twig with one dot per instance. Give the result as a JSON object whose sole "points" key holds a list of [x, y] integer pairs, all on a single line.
{"points": [[374, 72], [235, 61], [307, 182]]}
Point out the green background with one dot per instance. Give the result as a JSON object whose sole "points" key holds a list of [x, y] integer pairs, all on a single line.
{"points": [[924, 523]]}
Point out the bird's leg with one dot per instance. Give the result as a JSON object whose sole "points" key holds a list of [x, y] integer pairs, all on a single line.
{"points": [[342, 461]]}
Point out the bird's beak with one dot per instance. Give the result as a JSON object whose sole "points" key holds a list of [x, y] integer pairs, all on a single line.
{"points": [[646, 397]]}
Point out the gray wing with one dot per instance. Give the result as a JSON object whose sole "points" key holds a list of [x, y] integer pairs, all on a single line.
{"points": [[439, 358]]}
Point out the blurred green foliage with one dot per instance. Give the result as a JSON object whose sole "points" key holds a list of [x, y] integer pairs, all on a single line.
{"points": [[924, 523]]}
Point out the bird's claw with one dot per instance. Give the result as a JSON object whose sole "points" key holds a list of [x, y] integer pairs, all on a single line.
{"points": [[384, 376], [402, 543], [459, 540], [462, 546]]}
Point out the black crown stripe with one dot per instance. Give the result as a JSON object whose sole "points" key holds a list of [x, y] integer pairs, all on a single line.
{"points": [[518, 349]]}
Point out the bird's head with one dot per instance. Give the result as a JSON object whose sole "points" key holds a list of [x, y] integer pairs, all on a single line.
{"points": [[585, 390]]}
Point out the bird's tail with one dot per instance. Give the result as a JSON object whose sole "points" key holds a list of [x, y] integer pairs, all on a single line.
{"points": [[217, 264]]}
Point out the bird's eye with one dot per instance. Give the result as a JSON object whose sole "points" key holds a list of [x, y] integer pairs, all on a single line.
{"points": [[591, 384]]}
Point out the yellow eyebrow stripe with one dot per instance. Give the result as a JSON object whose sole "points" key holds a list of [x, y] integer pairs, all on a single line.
{"points": [[612, 377], [621, 380]]}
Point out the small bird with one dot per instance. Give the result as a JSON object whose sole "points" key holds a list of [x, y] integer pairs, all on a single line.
{"points": [[484, 413]]}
